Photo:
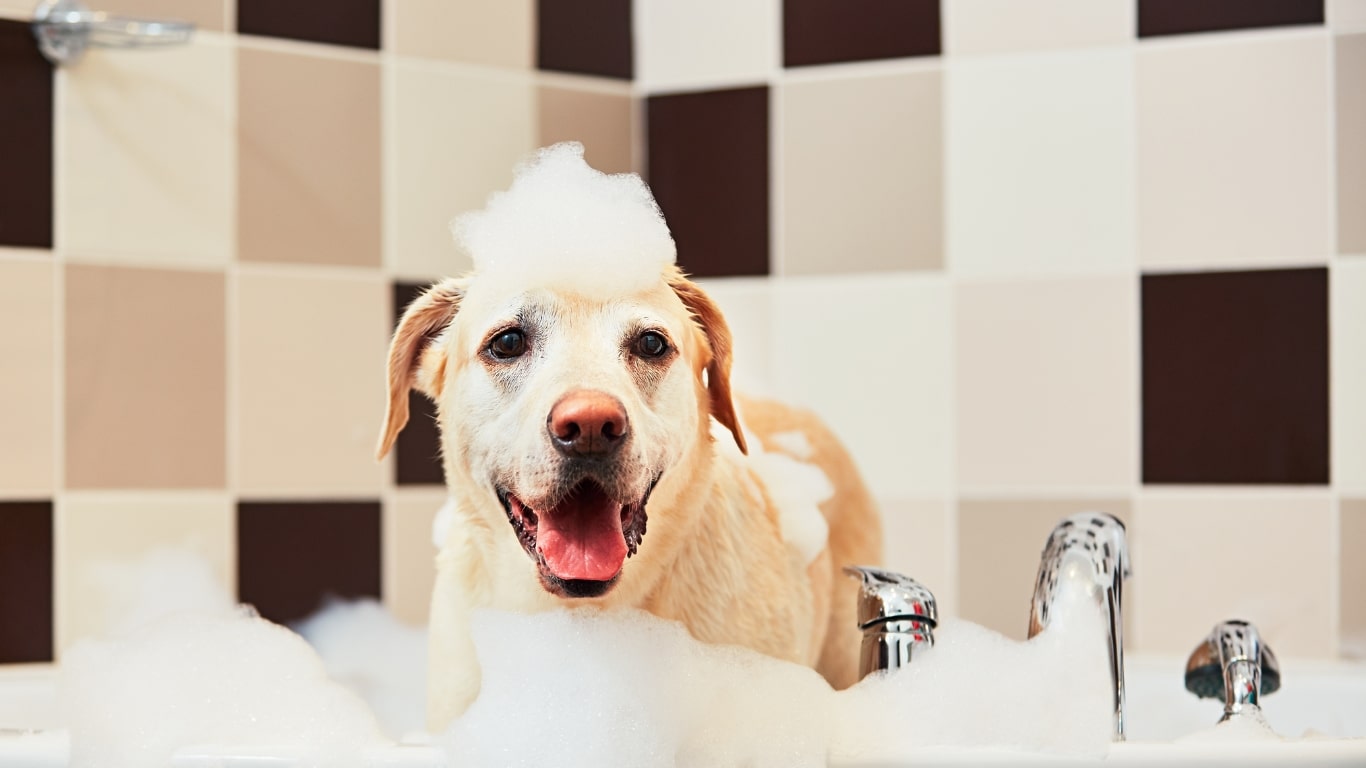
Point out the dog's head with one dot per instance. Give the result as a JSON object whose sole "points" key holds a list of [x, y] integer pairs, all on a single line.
{"points": [[563, 410]]}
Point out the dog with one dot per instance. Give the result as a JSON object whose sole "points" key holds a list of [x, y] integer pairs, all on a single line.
{"points": [[595, 455]]}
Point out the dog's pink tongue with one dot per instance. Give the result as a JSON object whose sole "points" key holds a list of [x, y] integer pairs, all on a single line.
{"points": [[581, 538]]}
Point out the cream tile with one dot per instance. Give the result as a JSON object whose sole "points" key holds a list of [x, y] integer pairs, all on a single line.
{"points": [[1040, 163], [918, 537], [999, 545], [998, 26], [1207, 555], [705, 42], [1352, 576], [17, 9], [310, 383], [601, 121], [409, 552], [1233, 151], [871, 354], [104, 541], [747, 306], [1347, 306], [1350, 62], [501, 34], [145, 378], [146, 155], [863, 192], [1047, 384], [204, 14], [309, 165], [28, 345], [1346, 15], [456, 137]]}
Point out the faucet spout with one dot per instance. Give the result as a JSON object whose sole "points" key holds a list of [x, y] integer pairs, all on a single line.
{"points": [[1087, 551]]}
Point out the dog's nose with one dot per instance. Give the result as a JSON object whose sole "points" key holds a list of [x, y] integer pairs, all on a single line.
{"points": [[587, 423]]}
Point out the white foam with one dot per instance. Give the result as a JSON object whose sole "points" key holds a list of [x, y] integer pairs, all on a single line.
{"points": [[162, 582], [794, 444], [563, 223], [442, 522], [365, 648], [586, 688], [192, 680]]}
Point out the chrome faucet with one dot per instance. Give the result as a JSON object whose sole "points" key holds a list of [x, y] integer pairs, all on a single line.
{"points": [[1233, 664], [897, 615], [1087, 550]]}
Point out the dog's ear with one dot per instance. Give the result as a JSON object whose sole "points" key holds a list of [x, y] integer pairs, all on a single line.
{"points": [[427, 316], [713, 324]]}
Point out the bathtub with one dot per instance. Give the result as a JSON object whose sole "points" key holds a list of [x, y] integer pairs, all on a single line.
{"points": [[1321, 708]]}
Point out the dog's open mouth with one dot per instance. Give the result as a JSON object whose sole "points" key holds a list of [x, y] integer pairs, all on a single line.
{"points": [[580, 543]]}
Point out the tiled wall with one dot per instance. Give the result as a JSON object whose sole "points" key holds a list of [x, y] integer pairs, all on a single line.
{"points": [[1028, 257]]}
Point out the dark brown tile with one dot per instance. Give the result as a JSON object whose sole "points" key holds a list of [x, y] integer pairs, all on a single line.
{"points": [[417, 454], [830, 31], [339, 22], [26, 584], [1235, 377], [708, 167], [1180, 17], [293, 554], [592, 37], [25, 139]]}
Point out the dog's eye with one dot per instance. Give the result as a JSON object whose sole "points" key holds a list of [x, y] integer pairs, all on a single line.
{"points": [[651, 344], [508, 344]]}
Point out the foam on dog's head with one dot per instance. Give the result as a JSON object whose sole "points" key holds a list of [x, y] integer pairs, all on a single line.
{"points": [[565, 224]]}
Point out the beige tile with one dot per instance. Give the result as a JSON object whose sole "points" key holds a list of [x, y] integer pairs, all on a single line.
{"points": [[1207, 555], [1047, 384], [17, 9], [116, 552], [602, 122], [705, 43], [443, 162], [1234, 151], [309, 158], [1347, 15], [1347, 306], [1352, 578], [410, 552], [501, 34], [747, 305], [204, 14], [310, 383], [998, 26], [999, 545], [918, 536], [1039, 163], [872, 355], [27, 378], [1350, 59], [145, 155], [145, 378], [862, 192]]}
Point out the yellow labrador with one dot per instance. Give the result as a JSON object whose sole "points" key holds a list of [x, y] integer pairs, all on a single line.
{"points": [[577, 439]]}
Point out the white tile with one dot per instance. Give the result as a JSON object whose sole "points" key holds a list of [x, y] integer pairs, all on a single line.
{"points": [[704, 42], [1234, 151], [1347, 306], [1047, 384], [145, 155], [454, 138], [996, 26], [1040, 163], [1346, 15], [1208, 555], [871, 354]]}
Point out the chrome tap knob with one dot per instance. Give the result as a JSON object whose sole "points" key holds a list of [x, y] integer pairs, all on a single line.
{"points": [[897, 615], [1233, 664]]}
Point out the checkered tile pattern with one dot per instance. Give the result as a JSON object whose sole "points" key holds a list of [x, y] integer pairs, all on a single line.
{"points": [[1027, 257]]}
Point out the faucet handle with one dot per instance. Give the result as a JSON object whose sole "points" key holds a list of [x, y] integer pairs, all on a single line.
{"points": [[1233, 664], [887, 596]]}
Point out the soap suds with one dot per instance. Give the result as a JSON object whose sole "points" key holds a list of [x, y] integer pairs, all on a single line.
{"points": [[793, 443], [565, 224]]}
